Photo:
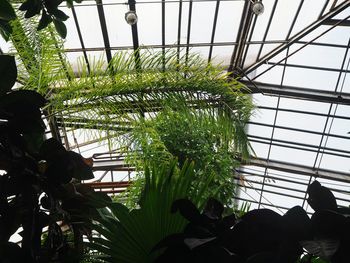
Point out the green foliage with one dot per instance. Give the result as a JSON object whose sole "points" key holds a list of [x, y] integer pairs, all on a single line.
{"points": [[41, 62], [200, 135], [129, 236], [47, 9], [36, 189], [311, 259], [189, 110]]}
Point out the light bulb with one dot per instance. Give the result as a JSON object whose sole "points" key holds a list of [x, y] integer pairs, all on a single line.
{"points": [[131, 17], [258, 8]]}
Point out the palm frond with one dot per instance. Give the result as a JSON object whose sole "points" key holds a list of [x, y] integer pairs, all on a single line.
{"points": [[123, 94], [40, 57], [129, 236]]}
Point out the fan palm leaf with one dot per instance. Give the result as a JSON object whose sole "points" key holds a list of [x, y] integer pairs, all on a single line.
{"points": [[129, 236]]}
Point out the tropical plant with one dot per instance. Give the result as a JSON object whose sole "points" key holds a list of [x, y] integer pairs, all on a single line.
{"points": [[200, 135], [261, 235], [124, 98], [48, 9], [36, 189], [130, 235]]}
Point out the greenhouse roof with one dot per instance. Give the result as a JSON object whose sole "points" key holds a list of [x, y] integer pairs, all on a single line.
{"points": [[294, 57]]}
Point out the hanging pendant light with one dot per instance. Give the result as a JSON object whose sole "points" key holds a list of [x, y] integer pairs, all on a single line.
{"points": [[131, 17], [257, 8]]}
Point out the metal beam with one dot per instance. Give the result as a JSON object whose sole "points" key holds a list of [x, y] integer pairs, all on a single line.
{"points": [[81, 39], [213, 30], [300, 169], [299, 93], [215, 44], [298, 36], [101, 15], [237, 55], [135, 35], [342, 70], [332, 22]]}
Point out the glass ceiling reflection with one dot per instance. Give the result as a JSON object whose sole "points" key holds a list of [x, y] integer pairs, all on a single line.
{"points": [[293, 48]]}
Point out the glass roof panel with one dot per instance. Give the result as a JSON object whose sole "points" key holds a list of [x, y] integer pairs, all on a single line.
{"points": [[260, 149], [282, 20], [318, 56], [296, 136], [296, 156], [300, 121], [229, 17], [89, 25], [149, 24], [309, 13], [222, 54], [335, 35], [311, 79], [171, 23], [201, 25], [263, 20], [72, 39], [304, 105], [119, 32]]}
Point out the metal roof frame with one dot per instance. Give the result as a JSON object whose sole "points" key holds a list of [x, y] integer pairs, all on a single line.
{"points": [[250, 74]]}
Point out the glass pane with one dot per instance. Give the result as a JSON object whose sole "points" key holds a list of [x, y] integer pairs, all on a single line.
{"points": [[202, 22], [119, 32], [149, 24], [228, 21], [89, 26]]}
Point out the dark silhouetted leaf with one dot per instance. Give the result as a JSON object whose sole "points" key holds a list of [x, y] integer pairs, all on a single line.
{"points": [[51, 149], [58, 171], [27, 123], [22, 101], [193, 243], [195, 230], [5, 30], [45, 202], [33, 142], [52, 4], [297, 224], [79, 169], [258, 231], [84, 189], [264, 257], [26, 5], [60, 27], [12, 253], [171, 240], [8, 73], [328, 224], [321, 197], [98, 199], [33, 9], [6, 11], [59, 15], [323, 248], [45, 20], [187, 209], [226, 223], [213, 209], [69, 3]]}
